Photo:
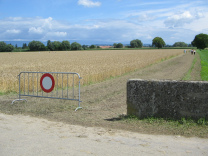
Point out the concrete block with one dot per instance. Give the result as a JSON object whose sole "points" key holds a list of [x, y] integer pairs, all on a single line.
{"points": [[167, 99]]}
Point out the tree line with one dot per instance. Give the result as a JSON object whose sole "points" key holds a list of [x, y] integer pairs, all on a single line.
{"points": [[200, 41]]}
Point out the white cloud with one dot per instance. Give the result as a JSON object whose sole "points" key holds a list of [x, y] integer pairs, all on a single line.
{"points": [[86, 26], [13, 31], [132, 24], [15, 18], [179, 19], [48, 23], [145, 17], [89, 3], [35, 30], [148, 3], [57, 34], [199, 25]]}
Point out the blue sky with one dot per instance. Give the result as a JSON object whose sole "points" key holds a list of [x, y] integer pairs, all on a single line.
{"points": [[102, 21]]}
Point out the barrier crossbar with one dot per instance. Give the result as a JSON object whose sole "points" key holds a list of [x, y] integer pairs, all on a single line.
{"points": [[53, 85]]}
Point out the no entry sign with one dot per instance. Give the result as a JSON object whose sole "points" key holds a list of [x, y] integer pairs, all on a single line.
{"points": [[47, 82]]}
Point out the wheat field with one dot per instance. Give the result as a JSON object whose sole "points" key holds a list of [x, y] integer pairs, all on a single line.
{"points": [[93, 66]]}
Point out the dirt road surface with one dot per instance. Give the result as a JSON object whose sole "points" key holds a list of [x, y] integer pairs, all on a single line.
{"points": [[24, 136], [92, 131]]}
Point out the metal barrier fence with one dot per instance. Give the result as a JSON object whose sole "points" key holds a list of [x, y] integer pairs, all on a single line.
{"points": [[54, 85]]}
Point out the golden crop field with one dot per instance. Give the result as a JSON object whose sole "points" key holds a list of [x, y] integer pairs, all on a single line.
{"points": [[93, 66]]}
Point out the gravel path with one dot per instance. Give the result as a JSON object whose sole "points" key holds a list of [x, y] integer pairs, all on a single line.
{"points": [[29, 136]]}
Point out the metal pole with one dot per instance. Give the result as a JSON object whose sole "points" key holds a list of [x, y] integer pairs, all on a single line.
{"points": [[79, 107], [79, 92], [62, 85], [37, 84], [19, 86], [73, 87], [28, 84], [57, 85], [33, 82], [19, 93], [24, 83], [41, 89], [67, 86]]}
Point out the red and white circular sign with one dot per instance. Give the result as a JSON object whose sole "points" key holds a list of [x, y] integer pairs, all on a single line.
{"points": [[47, 82]]}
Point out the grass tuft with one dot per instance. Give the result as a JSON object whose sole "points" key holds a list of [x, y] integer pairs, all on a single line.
{"points": [[186, 127], [204, 64]]}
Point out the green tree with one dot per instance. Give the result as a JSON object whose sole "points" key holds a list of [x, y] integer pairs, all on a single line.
{"points": [[76, 46], [200, 41], [114, 45], [9, 48], [24, 46], [85, 47], [57, 45], [180, 44], [36, 46], [65, 45], [158, 42], [93, 46], [119, 45], [190, 45], [2, 46], [50, 45], [136, 43]]}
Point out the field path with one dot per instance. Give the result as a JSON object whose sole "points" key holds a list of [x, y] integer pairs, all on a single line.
{"points": [[28, 136], [107, 100], [96, 129]]}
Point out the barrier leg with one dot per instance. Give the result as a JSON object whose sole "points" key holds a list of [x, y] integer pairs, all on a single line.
{"points": [[18, 100]]}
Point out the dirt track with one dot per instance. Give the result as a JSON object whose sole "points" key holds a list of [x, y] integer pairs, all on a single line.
{"points": [[28, 136], [105, 102], [102, 105]]}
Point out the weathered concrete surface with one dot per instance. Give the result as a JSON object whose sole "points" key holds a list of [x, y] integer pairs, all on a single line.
{"points": [[168, 99]]}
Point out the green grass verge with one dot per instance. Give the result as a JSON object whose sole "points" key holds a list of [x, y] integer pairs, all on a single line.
{"points": [[182, 121], [183, 126], [8, 93], [204, 64], [188, 74]]}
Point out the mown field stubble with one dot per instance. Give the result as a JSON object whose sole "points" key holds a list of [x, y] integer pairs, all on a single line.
{"points": [[93, 66]]}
